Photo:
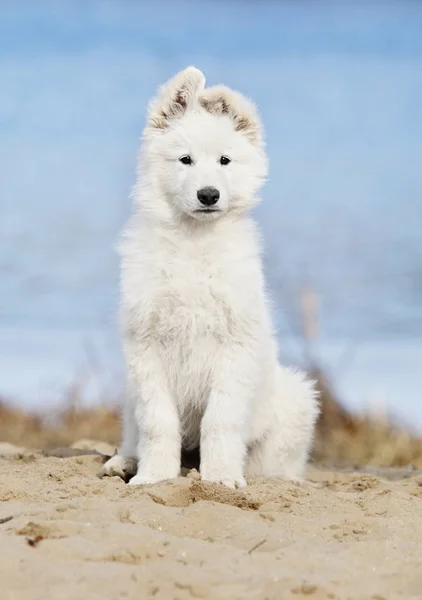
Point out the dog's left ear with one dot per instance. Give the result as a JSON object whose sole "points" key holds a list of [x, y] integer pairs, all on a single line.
{"points": [[174, 97], [221, 100]]}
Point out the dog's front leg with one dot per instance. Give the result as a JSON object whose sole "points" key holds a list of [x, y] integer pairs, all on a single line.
{"points": [[225, 425], [159, 448]]}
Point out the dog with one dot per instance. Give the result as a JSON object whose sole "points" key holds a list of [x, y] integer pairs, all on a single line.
{"points": [[201, 355]]}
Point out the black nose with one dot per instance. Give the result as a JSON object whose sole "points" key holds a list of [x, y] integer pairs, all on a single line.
{"points": [[208, 196]]}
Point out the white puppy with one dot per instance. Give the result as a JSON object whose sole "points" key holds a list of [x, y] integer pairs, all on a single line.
{"points": [[198, 340]]}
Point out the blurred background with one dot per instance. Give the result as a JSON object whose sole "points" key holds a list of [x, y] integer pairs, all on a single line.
{"points": [[339, 86]]}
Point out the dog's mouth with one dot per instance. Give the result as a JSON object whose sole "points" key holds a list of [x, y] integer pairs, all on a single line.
{"points": [[206, 214]]}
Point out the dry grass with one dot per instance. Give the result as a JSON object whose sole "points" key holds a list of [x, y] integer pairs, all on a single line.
{"points": [[60, 427], [354, 439], [342, 438]]}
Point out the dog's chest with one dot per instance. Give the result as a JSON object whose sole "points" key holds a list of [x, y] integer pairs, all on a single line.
{"points": [[193, 299]]}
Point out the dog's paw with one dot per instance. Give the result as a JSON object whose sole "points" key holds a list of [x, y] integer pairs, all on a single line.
{"points": [[148, 479], [229, 480], [156, 472], [233, 483], [140, 480], [120, 466]]}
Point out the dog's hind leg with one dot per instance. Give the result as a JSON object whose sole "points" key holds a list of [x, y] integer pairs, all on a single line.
{"points": [[271, 458], [284, 447]]}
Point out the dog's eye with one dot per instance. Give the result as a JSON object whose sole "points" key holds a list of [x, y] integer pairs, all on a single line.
{"points": [[224, 160], [186, 159]]}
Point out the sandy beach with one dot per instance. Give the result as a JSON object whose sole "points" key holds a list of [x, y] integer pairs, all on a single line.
{"points": [[66, 534]]}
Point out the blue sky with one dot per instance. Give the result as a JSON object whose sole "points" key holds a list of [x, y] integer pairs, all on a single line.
{"points": [[167, 28]]}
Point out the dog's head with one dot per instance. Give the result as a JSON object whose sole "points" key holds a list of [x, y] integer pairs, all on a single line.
{"points": [[204, 148]]}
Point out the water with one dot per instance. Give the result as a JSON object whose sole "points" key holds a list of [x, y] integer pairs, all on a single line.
{"points": [[340, 91]]}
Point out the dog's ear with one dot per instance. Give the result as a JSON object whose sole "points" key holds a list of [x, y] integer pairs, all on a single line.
{"points": [[221, 100], [174, 97]]}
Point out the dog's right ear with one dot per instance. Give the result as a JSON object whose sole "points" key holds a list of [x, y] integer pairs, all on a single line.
{"points": [[174, 97]]}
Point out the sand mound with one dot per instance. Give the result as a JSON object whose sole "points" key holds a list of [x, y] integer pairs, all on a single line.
{"points": [[66, 534]]}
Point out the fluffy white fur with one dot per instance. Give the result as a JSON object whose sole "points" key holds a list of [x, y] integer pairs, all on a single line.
{"points": [[198, 340]]}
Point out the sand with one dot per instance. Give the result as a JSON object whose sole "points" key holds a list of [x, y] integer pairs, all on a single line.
{"points": [[66, 534]]}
